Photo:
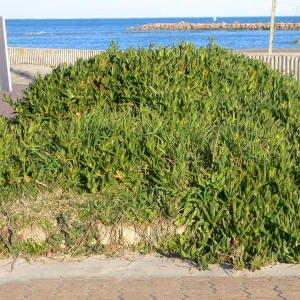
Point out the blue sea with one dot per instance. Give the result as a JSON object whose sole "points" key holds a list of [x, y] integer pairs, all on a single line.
{"points": [[97, 33]]}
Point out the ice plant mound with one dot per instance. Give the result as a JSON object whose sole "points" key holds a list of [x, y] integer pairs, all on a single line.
{"points": [[201, 135]]}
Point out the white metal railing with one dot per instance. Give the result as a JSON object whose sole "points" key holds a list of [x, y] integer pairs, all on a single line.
{"points": [[287, 64], [47, 57]]}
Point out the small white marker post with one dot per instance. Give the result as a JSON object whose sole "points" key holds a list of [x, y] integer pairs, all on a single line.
{"points": [[5, 80]]}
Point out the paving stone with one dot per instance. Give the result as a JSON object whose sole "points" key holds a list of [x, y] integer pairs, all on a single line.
{"points": [[284, 279], [196, 291], [171, 281], [102, 298], [163, 287], [231, 295], [15, 289], [168, 297], [77, 288], [137, 295], [195, 279], [40, 288], [265, 292], [103, 288], [287, 284], [263, 298], [104, 294], [140, 287], [291, 288], [136, 282], [204, 297], [196, 284], [290, 295], [224, 286], [258, 285]]}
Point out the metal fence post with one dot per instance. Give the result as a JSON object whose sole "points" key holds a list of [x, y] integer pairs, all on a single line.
{"points": [[272, 28]]}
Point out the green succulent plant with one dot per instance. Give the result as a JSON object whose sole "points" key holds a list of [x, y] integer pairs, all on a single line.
{"points": [[202, 135]]}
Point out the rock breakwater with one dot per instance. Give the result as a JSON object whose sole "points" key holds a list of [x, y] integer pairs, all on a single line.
{"points": [[216, 26]]}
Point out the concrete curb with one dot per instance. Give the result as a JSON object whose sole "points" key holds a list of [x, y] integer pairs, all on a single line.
{"points": [[134, 265]]}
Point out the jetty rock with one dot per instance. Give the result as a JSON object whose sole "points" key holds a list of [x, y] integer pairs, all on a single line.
{"points": [[216, 26]]}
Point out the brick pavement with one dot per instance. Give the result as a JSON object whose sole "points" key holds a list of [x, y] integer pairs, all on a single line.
{"points": [[155, 288]]}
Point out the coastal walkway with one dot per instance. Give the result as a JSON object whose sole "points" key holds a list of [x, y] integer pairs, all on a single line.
{"points": [[132, 276]]}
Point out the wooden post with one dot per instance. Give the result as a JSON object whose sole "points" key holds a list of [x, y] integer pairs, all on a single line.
{"points": [[272, 28], [5, 80]]}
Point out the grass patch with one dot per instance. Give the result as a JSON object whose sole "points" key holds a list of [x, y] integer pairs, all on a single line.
{"points": [[201, 137]]}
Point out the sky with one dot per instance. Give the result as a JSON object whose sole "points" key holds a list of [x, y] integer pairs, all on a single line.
{"points": [[57, 9]]}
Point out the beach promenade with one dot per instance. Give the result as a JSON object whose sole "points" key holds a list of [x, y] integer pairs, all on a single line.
{"points": [[133, 276]]}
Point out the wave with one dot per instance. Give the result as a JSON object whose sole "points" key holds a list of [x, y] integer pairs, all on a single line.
{"points": [[60, 33], [35, 33]]}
